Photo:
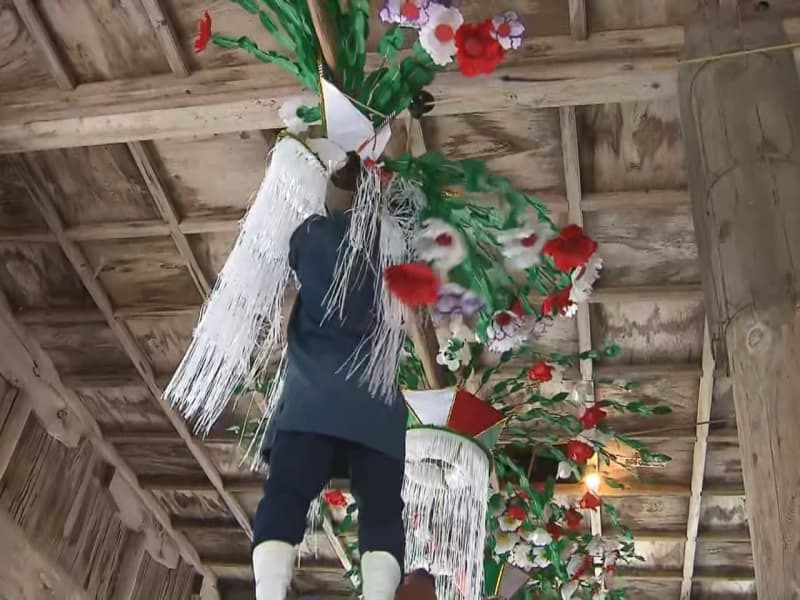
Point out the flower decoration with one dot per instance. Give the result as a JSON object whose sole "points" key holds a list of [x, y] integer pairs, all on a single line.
{"points": [[522, 247], [593, 416], [454, 354], [521, 556], [554, 529], [441, 244], [414, 284], [564, 470], [541, 372], [573, 519], [572, 248], [456, 300], [559, 303], [335, 498], [288, 112], [438, 35], [517, 513], [203, 33], [590, 501], [508, 30], [584, 278], [538, 537], [408, 13], [478, 52], [505, 542], [504, 332], [579, 451]]}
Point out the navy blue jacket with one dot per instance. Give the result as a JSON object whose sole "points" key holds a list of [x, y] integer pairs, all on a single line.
{"points": [[317, 396]]}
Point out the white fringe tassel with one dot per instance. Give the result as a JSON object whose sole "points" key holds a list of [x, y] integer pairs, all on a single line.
{"points": [[446, 491], [250, 288], [390, 216]]}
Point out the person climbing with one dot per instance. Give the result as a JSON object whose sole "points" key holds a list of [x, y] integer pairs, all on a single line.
{"points": [[325, 420]]}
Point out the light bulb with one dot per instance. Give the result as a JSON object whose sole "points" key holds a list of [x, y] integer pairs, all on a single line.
{"points": [[592, 481]]}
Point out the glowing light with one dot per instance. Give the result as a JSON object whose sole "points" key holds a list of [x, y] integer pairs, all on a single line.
{"points": [[592, 481]]}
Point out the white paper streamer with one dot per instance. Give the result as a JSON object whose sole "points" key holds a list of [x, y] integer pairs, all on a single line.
{"points": [[232, 340], [446, 491]]}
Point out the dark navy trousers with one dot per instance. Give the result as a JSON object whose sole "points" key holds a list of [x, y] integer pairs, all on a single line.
{"points": [[300, 466]]}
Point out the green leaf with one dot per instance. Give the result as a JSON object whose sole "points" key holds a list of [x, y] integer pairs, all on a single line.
{"points": [[638, 408], [392, 42], [589, 354], [662, 409], [499, 387], [634, 384], [613, 483], [248, 5], [611, 349]]}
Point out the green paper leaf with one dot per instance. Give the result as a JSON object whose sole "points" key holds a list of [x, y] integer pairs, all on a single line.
{"points": [[611, 350], [662, 409], [392, 42]]}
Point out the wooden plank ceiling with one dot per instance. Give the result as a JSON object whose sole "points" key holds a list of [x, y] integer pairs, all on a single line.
{"points": [[140, 157]]}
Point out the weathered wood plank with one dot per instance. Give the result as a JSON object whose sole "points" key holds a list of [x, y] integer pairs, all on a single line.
{"points": [[23, 65], [578, 24], [744, 172], [33, 21], [15, 412], [167, 38]]}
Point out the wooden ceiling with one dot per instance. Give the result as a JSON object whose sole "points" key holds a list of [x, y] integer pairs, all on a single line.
{"points": [[126, 162]]}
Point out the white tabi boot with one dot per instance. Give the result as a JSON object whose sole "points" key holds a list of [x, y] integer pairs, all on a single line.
{"points": [[272, 566], [381, 575]]}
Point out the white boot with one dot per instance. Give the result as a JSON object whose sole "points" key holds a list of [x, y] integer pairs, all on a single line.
{"points": [[272, 566], [381, 575]]}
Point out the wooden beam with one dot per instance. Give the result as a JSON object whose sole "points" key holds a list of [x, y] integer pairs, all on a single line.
{"points": [[34, 370], [42, 190], [29, 573], [13, 425], [658, 200], [744, 171], [704, 399], [128, 571], [578, 23], [144, 156], [36, 27], [232, 100], [708, 576], [167, 38]]}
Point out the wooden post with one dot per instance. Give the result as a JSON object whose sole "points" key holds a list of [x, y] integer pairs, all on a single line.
{"points": [[741, 120]]}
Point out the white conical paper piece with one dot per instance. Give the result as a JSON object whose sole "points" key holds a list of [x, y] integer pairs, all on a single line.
{"points": [[349, 128], [432, 407]]}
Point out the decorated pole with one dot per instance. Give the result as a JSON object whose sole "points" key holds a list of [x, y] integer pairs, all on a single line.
{"points": [[741, 121]]}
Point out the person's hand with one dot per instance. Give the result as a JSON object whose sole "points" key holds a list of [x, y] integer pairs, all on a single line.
{"points": [[418, 585]]}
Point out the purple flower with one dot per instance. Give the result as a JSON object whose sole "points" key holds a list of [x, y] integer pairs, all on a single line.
{"points": [[456, 300], [408, 13]]}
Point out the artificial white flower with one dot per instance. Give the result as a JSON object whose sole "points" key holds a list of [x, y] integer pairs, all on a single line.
{"points": [[594, 436], [441, 244], [509, 524], [505, 542], [564, 470], [538, 537], [408, 13], [584, 278], [568, 590], [522, 247], [521, 556], [438, 35], [540, 559], [288, 112], [505, 332], [453, 354], [508, 30]]}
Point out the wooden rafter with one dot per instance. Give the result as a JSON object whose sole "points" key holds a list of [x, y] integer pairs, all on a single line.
{"points": [[145, 160], [704, 399], [578, 23], [572, 182], [36, 27], [11, 428], [33, 371], [167, 38], [41, 192]]}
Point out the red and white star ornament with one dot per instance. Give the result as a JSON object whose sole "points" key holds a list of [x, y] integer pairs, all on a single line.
{"points": [[505, 332], [438, 35], [522, 247], [584, 278], [508, 30], [440, 244]]}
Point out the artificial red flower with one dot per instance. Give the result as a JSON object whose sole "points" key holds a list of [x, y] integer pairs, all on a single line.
{"points": [[334, 498], [539, 486], [593, 416], [541, 372], [579, 451], [478, 53], [523, 495], [590, 501], [415, 284], [516, 512], [203, 33], [573, 518], [517, 309], [558, 302], [555, 531], [571, 249], [585, 566]]}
